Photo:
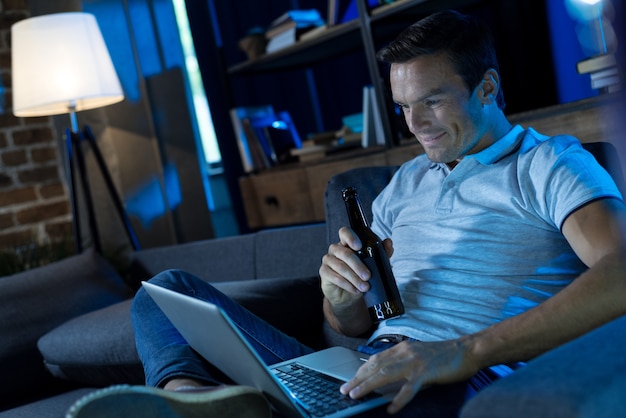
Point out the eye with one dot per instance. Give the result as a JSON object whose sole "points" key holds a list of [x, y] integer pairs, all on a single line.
{"points": [[401, 108], [432, 102]]}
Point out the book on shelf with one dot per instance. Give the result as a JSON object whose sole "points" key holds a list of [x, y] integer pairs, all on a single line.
{"points": [[299, 19], [318, 146], [246, 143], [287, 29], [282, 40], [313, 33], [310, 151], [264, 137], [258, 155], [373, 133], [597, 63]]}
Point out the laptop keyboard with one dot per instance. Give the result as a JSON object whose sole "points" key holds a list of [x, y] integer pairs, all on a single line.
{"points": [[316, 392]]}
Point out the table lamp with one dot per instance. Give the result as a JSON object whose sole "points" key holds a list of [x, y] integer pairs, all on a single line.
{"points": [[60, 64]]}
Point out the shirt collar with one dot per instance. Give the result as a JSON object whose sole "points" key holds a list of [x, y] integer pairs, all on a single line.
{"points": [[501, 148]]}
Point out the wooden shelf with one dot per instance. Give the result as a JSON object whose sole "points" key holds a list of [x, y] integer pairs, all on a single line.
{"points": [[333, 42], [386, 22]]}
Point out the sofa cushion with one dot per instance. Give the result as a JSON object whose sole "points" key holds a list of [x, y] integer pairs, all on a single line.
{"points": [[98, 349], [38, 300]]}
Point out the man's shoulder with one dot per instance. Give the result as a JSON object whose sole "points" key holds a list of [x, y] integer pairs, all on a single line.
{"points": [[533, 140], [541, 148]]}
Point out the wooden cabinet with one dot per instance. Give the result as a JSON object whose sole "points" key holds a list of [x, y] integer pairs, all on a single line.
{"points": [[295, 194]]}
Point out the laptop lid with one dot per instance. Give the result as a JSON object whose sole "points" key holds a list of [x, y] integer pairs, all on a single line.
{"points": [[211, 333]]}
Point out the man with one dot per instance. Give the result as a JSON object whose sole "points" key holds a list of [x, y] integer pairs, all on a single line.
{"points": [[504, 243]]}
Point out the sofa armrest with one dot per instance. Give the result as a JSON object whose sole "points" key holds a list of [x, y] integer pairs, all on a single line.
{"points": [[583, 378], [35, 301]]}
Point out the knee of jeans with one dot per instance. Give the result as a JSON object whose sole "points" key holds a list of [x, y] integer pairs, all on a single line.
{"points": [[169, 279], [172, 279], [177, 280]]}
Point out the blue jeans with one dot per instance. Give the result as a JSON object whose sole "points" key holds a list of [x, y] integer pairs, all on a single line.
{"points": [[166, 355]]}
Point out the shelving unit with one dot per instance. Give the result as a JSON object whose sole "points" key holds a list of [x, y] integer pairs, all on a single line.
{"points": [[294, 193], [379, 24]]}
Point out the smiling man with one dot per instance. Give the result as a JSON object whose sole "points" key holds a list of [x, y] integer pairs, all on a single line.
{"points": [[505, 243]]}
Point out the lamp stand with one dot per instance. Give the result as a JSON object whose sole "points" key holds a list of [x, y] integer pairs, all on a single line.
{"points": [[73, 144]]}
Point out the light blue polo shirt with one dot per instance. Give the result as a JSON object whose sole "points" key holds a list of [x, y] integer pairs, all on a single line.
{"points": [[482, 242]]}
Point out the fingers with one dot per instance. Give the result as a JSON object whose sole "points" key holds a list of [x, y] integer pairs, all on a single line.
{"points": [[384, 369], [341, 267]]}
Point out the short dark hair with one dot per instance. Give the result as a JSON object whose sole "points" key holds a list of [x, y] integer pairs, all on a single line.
{"points": [[467, 42]]}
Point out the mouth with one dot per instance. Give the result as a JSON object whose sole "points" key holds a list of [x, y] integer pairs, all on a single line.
{"points": [[430, 139]]}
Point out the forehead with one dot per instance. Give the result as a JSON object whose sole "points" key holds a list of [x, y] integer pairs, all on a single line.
{"points": [[423, 74]]}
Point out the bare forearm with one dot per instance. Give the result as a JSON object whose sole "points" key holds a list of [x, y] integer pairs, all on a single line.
{"points": [[348, 320], [594, 298]]}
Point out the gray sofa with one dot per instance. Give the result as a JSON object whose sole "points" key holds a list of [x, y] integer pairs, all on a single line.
{"points": [[65, 328]]}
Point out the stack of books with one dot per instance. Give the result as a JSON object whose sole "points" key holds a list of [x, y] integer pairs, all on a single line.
{"points": [[318, 146], [603, 70], [287, 29]]}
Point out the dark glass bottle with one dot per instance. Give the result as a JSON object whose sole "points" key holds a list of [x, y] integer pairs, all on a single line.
{"points": [[383, 299]]}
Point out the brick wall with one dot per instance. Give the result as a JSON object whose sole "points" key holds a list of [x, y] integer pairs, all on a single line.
{"points": [[34, 205]]}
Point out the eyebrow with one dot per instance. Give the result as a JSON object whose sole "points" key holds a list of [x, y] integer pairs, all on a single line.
{"points": [[432, 92]]}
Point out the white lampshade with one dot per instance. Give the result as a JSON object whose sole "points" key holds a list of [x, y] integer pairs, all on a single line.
{"points": [[61, 65]]}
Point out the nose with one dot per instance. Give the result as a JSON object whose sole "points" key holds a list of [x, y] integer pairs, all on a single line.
{"points": [[416, 120]]}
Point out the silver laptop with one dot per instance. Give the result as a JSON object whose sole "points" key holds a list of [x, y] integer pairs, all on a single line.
{"points": [[210, 332]]}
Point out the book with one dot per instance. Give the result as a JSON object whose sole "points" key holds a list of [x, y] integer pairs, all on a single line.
{"points": [[609, 72], [300, 19], [277, 30], [246, 142], [282, 40], [373, 133], [310, 151], [333, 12], [597, 63], [313, 33], [257, 152], [612, 82]]}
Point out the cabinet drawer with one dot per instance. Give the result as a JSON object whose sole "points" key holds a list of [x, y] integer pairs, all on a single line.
{"points": [[277, 198]]}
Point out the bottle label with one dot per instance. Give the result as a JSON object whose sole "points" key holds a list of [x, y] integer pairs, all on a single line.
{"points": [[384, 310], [376, 295]]}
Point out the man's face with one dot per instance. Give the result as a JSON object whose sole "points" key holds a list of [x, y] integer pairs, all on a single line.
{"points": [[444, 117]]}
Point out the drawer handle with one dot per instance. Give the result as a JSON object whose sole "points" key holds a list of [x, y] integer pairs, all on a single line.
{"points": [[271, 201]]}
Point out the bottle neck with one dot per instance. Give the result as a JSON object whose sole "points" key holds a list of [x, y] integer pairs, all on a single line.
{"points": [[358, 222]]}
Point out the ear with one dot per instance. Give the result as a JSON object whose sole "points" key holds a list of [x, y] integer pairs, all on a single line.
{"points": [[489, 87]]}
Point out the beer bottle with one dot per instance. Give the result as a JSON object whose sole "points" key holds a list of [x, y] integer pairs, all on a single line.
{"points": [[383, 298]]}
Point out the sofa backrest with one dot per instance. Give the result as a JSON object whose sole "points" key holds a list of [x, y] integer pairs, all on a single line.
{"points": [[290, 252], [368, 181], [286, 252]]}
